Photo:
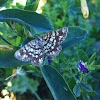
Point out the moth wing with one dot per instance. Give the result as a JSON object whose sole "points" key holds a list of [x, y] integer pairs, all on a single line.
{"points": [[52, 41]]}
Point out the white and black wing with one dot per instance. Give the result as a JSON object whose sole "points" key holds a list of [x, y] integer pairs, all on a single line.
{"points": [[31, 51], [52, 41], [48, 44]]}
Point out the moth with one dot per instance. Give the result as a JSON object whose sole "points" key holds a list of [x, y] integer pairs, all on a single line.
{"points": [[48, 44]]}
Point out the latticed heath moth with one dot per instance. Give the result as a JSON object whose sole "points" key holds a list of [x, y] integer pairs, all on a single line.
{"points": [[48, 44]]}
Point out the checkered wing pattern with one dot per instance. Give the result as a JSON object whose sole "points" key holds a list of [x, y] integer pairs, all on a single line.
{"points": [[31, 51], [48, 44], [52, 41]]}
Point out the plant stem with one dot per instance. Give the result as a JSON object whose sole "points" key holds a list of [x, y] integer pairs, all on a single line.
{"points": [[37, 96], [5, 39]]}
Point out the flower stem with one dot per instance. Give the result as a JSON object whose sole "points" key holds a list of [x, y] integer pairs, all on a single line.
{"points": [[37, 96]]}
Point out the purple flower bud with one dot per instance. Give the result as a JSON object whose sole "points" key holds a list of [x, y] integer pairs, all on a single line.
{"points": [[49, 60], [82, 68]]}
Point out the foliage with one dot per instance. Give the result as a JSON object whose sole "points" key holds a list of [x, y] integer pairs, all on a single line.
{"points": [[62, 74], [22, 86], [56, 83]]}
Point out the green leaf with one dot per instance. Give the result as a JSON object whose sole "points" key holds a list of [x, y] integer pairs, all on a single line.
{"points": [[29, 2], [37, 21], [92, 63], [76, 90], [86, 87], [75, 34], [71, 83], [82, 56], [2, 2], [85, 97], [18, 40], [96, 66], [91, 68], [92, 58], [12, 41], [32, 7], [98, 60], [56, 84], [92, 93], [7, 58]]}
